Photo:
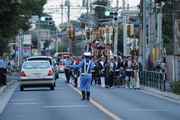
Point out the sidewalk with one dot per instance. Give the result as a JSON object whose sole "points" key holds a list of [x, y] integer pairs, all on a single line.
{"points": [[3, 88], [156, 92], [7, 91], [9, 82]]}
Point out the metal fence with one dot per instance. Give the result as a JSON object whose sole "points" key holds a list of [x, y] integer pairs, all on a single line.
{"points": [[153, 79]]}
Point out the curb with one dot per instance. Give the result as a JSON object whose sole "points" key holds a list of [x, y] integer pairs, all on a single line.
{"points": [[168, 95], [3, 88], [9, 82], [5, 96]]}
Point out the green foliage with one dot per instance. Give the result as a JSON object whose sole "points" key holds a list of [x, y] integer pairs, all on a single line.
{"points": [[3, 45], [8, 16], [33, 7], [176, 87], [15, 16]]}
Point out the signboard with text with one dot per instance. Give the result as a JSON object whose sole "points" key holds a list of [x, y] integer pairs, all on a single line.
{"points": [[27, 39], [44, 34]]}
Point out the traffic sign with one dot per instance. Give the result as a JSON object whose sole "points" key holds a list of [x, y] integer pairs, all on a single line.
{"points": [[107, 13]]}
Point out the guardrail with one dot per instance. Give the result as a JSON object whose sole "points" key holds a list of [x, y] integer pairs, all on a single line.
{"points": [[153, 79]]}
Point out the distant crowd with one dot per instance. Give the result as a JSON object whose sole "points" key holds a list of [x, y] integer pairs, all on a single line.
{"points": [[109, 72]]}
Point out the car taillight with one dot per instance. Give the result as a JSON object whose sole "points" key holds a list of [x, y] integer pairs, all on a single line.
{"points": [[50, 73], [61, 65], [22, 74]]}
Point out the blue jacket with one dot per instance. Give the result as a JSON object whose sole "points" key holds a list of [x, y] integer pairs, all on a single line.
{"points": [[3, 64], [86, 75], [81, 66]]}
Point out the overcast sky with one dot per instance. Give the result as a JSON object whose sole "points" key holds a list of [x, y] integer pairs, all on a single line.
{"points": [[53, 6]]}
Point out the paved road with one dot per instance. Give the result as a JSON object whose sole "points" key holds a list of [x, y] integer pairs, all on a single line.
{"points": [[131, 104], [64, 104], [42, 104]]}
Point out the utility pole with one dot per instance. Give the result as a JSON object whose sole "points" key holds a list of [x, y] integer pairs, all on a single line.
{"points": [[116, 29], [159, 28], [124, 28], [20, 47], [87, 7], [57, 42], [174, 37], [70, 41], [144, 32], [62, 13], [18, 44], [68, 13], [39, 36], [117, 4], [69, 26]]}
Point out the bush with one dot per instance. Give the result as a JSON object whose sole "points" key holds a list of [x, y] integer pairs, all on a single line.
{"points": [[176, 87]]}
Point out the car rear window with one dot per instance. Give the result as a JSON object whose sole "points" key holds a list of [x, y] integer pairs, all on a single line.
{"points": [[36, 65], [46, 59], [61, 62]]}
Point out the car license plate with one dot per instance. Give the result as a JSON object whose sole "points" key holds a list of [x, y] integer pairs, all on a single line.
{"points": [[36, 75]]}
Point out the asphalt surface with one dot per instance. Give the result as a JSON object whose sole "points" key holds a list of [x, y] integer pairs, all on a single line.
{"points": [[43, 104], [130, 104], [64, 104]]}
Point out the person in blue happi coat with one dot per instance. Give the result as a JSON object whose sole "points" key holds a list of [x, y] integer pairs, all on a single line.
{"points": [[67, 70], [3, 70], [86, 66]]}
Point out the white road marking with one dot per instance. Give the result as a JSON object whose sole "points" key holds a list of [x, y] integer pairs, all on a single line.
{"points": [[24, 103], [18, 116], [65, 106], [147, 110], [23, 100], [100, 107], [60, 89]]}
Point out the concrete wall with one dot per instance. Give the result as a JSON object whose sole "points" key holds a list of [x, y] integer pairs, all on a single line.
{"points": [[173, 68], [177, 68], [170, 68]]}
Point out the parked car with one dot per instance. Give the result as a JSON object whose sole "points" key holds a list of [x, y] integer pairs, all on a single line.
{"points": [[52, 62], [37, 73]]}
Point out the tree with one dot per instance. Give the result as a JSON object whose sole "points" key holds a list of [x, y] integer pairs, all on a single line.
{"points": [[15, 15]]}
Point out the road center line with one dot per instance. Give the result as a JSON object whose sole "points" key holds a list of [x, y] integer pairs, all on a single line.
{"points": [[99, 106], [147, 110]]}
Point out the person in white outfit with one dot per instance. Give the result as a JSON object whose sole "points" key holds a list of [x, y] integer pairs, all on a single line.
{"points": [[129, 72], [136, 81]]}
